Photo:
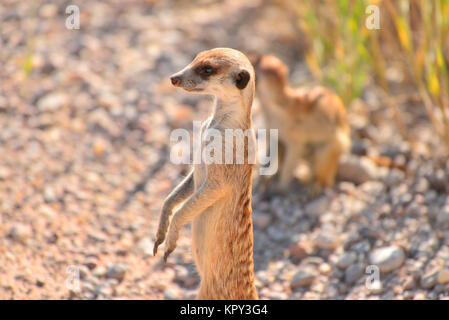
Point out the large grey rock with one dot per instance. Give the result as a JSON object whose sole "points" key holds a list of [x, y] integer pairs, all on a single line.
{"points": [[356, 169], [354, 272], [387, 258], [346, 259]]}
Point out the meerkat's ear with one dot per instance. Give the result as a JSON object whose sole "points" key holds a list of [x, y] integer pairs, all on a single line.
{"points": [[242, 79]]}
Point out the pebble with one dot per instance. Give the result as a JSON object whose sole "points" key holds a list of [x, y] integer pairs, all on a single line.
{"points": [[171, 294], [327, 241], [357, 170], [116, 271], [300, 250], [91, 263], [443, 216], [181, 273], [387, 258], [325, 268], [145, 245], [104, 291], [354, 272], [262, 220], [302, 278], [317, 207], [346, 259], [429, 280], [275, 295], [99, 272], [21, 232], [52, 101], [49, 194], [443, 276], [83, 271]]}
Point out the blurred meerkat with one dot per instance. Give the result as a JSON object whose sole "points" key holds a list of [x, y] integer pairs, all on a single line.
{"points": [[312, 123], [217, 197]]}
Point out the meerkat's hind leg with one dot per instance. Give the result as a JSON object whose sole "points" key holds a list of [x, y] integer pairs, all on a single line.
{"points": [[292, 156], [326, 164], [203, 198], [179, 194]]}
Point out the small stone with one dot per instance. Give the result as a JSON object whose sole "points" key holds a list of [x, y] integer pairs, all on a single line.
{"points": [[325, 268], [145, 245], [40, 282], [346, 259], [52, 101], [429, 280], [353, 273], [443, 216], [49, 194], [262, 220], [83, 271], [104, 291], [443, 276], [99, 271], [99, 147], [361, 247], [419, 296], [356, 169], [327, 241], [181, 273], [91, 263], [171, 294], [317, 207], [302, 278], [387, 258], [116, 271], [409, 283], [21, 232], [300, 250], [277, 296]]}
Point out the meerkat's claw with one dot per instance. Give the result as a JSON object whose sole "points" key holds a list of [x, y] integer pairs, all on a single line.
{"points": [[156, 245], [167, 253]]}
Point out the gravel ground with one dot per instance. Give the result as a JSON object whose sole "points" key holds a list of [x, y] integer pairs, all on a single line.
{"points": [[85, 117]]}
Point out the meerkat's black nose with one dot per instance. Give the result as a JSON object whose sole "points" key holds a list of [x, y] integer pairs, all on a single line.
{"points": [[175, 80]]}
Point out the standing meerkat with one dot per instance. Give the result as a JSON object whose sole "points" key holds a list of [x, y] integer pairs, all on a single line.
{"points": [[312, 123], [217, 197]]}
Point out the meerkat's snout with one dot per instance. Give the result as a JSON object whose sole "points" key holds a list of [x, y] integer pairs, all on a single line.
{"points": [[175, 80]]}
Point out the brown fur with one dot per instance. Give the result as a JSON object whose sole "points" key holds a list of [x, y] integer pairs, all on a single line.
{"points": [[217, 197], [311, 121]]}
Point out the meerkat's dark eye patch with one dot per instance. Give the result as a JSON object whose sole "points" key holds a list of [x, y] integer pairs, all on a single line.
{"points": [[242, 79], [206, 71]]}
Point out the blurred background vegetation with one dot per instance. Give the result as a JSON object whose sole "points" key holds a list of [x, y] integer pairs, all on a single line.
{"points": [[413, 38]]}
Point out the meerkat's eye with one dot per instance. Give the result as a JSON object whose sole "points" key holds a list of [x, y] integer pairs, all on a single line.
{"points": [[207, 70]]}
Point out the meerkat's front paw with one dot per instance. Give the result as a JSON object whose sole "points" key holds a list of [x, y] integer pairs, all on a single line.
{"points": [[170, 244], [162, 229], [158, 242]]}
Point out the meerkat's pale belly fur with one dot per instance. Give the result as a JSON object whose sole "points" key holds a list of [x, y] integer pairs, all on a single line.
{"points": [[222, 232], [216, 197]]}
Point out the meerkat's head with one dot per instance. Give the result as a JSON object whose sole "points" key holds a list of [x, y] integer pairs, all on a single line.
{"points": [[222, 72], [270, 71]]}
